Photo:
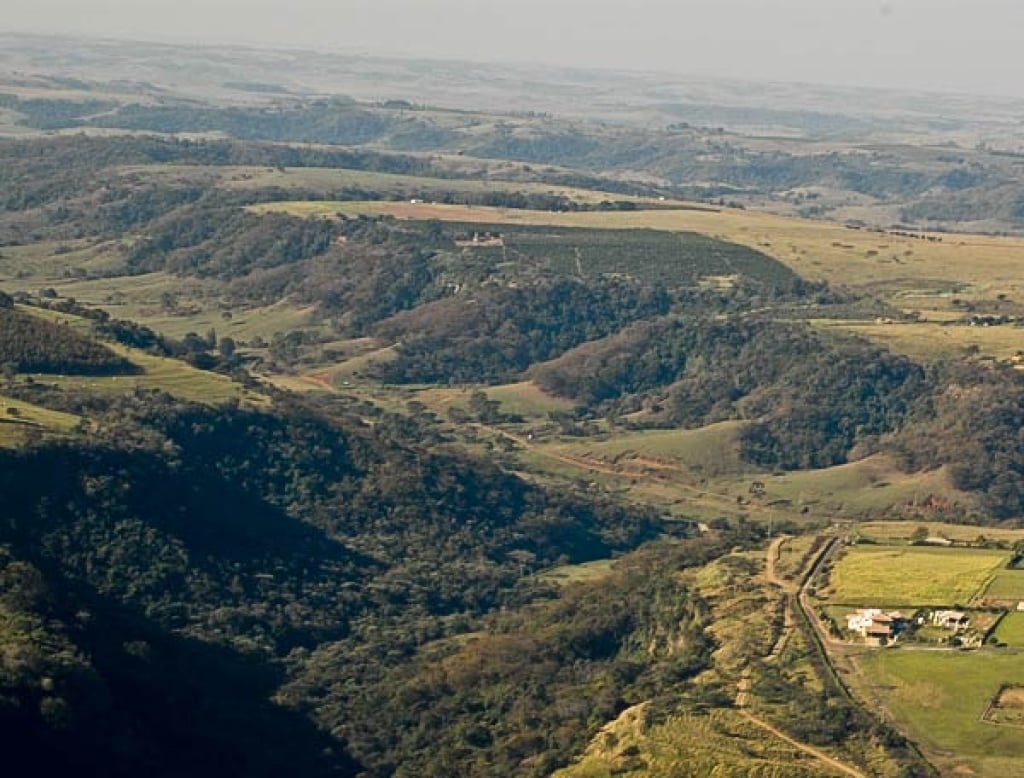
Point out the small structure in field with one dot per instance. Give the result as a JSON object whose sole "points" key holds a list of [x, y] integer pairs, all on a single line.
{"points": [[956, 620]]}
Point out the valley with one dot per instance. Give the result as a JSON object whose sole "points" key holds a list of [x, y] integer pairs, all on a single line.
{"points": [[382, 438]]}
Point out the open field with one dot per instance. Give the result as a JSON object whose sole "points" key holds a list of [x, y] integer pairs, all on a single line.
{"points": [[198, 307], [712, 450], [252, 177], [21, 266], [582, 573], [527, 399], [1011, 630], [167, 375], [926, 341], [939, 698], [20, 419], [862, 489], [814, 249], [911, 575], [1007, 585], [903, 530]]}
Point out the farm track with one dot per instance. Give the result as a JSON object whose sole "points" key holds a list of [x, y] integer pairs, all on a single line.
{"points": [[745, 683], [821, 756]]}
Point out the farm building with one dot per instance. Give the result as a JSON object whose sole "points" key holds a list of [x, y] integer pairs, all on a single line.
{"points": [[950, 619], [876, 625]]}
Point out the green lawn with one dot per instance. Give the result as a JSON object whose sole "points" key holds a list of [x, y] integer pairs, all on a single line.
{"points": [[1011, 630], [912, 576], [938, 698]]}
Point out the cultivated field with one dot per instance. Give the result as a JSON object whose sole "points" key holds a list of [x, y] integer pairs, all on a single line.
{"points": [[910, 575], [939, 699]]}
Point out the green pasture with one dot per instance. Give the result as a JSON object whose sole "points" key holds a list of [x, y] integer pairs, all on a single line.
{"points": [[938, 698], [1006, 585], [1011, 630], [19, 420]]}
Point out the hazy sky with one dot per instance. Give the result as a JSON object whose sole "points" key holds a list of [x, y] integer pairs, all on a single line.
{"points": [[949, 45]]}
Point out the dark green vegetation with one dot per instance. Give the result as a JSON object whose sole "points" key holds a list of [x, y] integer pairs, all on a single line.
{"points": [[203, 557], [29, 344]]}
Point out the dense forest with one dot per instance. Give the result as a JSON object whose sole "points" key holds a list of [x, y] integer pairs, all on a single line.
{"points": [[29, 344], [202, 538]]}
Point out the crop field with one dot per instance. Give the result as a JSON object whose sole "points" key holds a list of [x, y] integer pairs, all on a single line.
{"points": [[1011, 630], [911, 575], [1007, 585], [939, 699]]}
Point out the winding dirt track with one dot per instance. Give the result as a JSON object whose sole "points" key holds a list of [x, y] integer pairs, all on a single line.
{"points": [[821, 756], [743, 690]]}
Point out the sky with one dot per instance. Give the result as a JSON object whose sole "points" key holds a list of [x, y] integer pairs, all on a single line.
{"points": [[973, 46]]}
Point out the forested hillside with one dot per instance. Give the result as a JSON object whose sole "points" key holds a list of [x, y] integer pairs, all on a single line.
{"points": [[388, 441]]}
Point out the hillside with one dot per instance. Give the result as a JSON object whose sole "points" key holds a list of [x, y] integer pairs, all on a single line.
{"points": [[384, 440]]}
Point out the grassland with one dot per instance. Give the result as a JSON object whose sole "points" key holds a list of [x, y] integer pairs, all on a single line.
{"points": [[327, 179], [1006, 585], [721, 744], [199, 307], [711, 450], [911, 576], [904, 530], [863, 489], [929, 341], [19, 420], [1011, 630], [938, 699], [582, 573]]}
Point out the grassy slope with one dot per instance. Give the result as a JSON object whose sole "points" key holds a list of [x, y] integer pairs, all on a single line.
{"points": [[16, 426]]}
